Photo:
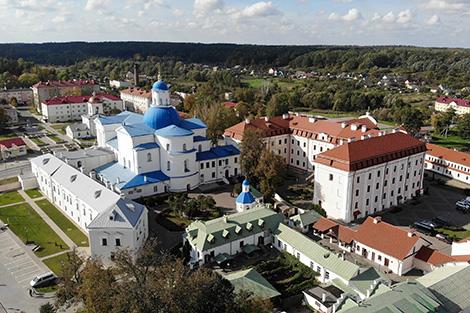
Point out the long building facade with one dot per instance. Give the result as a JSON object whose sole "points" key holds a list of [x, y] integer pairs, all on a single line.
{"points": [[112, 223], [447, 162], [363, 177], [298, 139]]}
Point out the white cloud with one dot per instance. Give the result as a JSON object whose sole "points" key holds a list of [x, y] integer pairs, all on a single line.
{"points": [[434, 20], [177, 12], [445, 5], [203, 7], [404, 17], [352, 15], [92, 5], [389, 17], [260, 9]]}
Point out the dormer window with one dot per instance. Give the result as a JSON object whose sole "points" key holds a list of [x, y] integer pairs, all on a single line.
{"points": [[73, 178]]}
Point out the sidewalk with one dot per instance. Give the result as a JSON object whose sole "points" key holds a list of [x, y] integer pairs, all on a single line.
{"points": [[47, 219]]}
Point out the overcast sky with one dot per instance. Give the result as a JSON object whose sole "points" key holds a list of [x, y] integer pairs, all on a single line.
{"points": [[362, 22]]}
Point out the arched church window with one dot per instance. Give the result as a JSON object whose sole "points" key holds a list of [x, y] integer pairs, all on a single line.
{"points": [[199, 148], [79, 164], [167, 147], [168, 165], [149, 157], [186, 165], [184, 147]]}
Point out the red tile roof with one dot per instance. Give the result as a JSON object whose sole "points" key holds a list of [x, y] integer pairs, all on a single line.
{"points": [[78, 99], [65, 83], [345, 234], [361, 154], [386, 238], [459, 102], [432, 256], [136, 91], [8, 143], [306, 127], [324, 224], [448, 154]]}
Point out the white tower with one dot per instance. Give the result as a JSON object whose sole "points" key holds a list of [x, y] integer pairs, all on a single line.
{"points": [[160, 93], [245, 199]]}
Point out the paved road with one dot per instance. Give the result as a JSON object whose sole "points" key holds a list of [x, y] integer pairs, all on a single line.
{"points": [[18, 265]]}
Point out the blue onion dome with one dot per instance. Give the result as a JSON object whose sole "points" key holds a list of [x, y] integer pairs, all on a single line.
{"points": [[160, 86], [157, 117], [246, 182]]}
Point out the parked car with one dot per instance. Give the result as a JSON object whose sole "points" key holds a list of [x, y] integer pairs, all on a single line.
{"points": [[444, 238], [428, 223], [43, 280], [463, 205], [423, 228]]}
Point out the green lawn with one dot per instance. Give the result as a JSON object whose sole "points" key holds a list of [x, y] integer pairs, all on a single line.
{"points": [[7, 181], [60, 127], [454, 232], [29, 226], [34, 193], [10, 198], [55, 263], [451, 141], [69, 228], [261, 82], [37, 141], [55, 138]]}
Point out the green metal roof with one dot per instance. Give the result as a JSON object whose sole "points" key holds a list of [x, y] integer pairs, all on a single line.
{"points": [[305, 219], [232, 227], [252, 281], [317, 253], [404, 297], [363, 281]]}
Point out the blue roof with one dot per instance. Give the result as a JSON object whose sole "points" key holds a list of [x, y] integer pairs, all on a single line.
{"points": [[245, 198], [126, 116], [246, 182], [147, 146], [114, 171], [217, 152], [158, 117], [192, 123], [200, 138], [137, 130], [160, 85], [173, 131]]}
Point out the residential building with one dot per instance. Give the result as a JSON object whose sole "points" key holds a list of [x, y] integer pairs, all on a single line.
{"points": [[448, 162], [428, 259], [12, 148], [298, 139], [119, 84], [78, 131], [304, 220], [71, 108], [388, 246], [461, 106], [251, 281], [112, 223], [461, 250], [327, 264], [363, 177], [136, 99], [53, 89], [231, 234], [22, 95], [160, 151]]}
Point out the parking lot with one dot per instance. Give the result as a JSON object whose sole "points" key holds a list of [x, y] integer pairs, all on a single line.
{"points": [[439, 201], [17, 267]]}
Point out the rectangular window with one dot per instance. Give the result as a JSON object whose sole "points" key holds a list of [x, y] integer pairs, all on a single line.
{"points": [[118, 242], [104, 241], [331, 176], [368, 188], [357, 180]]}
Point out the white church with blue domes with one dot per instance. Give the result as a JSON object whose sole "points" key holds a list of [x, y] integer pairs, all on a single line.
{"points": [[160, 151]]}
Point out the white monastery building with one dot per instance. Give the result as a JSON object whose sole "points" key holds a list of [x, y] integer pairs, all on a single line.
{"points": [[298, 139], [363, 177], [159, 151], [461, 106], [450, 163], [111, 222], [71, 108], [136, 99]]}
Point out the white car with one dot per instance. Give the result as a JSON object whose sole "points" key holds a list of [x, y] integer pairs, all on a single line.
{"points": [[43, 280]]}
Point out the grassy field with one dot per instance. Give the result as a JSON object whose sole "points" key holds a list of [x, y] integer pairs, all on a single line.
{"points": [[34, 193], [55, 263], [60, 127], [69, 228], [55, 138], [451, 141], [10, 198], [7, 181], [454, 233], [262, 82], [38, 141], [29, 226]]}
